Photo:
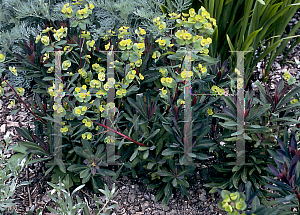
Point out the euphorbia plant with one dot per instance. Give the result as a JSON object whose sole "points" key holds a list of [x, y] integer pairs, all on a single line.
{"points": [[79, 101], [287, 173]]}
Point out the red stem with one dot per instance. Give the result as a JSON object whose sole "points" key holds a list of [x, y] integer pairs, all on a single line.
{"points": [[38, 118], [123, 135]]}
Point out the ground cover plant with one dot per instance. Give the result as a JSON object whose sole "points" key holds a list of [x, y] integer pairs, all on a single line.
{"points": [[84, 108], [127, 91]]}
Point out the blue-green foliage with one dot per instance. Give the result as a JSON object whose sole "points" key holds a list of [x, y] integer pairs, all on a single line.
{"points": [[20, 19]]}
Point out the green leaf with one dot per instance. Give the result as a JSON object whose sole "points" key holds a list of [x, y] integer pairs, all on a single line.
{"points": [[171, 151], [187, 170], [261, 1], [250, 39], [60, 164], [77, 168], [168, 194], [14, 111], [152, 78], [165, 173], [133, 156], [151, 136], [82, 26], [74, 78], [24, 133], [34, 148], [255, 203], [159, 195], [74, 24], [230, 43], [297, 173]]}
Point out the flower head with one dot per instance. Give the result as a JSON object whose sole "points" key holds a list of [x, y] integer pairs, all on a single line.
{"points": [[13, 70]]}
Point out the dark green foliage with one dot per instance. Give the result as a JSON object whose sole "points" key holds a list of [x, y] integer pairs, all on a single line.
{"points": [[287, 181], [265, 118]]}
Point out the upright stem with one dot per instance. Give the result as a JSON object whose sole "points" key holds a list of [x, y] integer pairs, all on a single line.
{"points": [[123, 135], [38, 118]]}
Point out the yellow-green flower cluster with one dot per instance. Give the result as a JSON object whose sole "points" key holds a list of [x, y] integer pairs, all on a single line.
{"points": [[196, 22], [84, 13], [201, 68], [125, 44], [95, 84], [183, 37], [2, 57], [185, 74], [86, 35], [21, 91], [87, 135], [140, 31], [64, 129], [160, 24], [59, 110], [163, 93], [81, 94], [79, 111], [122, 32], [12, 103], [45, 40], [66, 65], [1, 91], [50, 69], [67, 10], [88, 123], [120, 93], [156, 55], [233, 202], [109, 139], [164, 43], [163, 72], [13, 70], [101, 108], [100, 70], [290, 79], [45, 57], [180, 102], [210, 111], [168, 82], [90, 44], [287, 75], [60, 33], [216, 90], [294, 101], [139, 47], [53, 92]]}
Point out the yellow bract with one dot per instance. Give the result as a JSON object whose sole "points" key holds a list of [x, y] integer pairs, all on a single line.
{"points": [[210, 111], [169, 80], [78, 111], [2, 58], [141, 76], [131, 76], [107, 46], [163, 91], [13, 70], [45, 40], [101, 108]]}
